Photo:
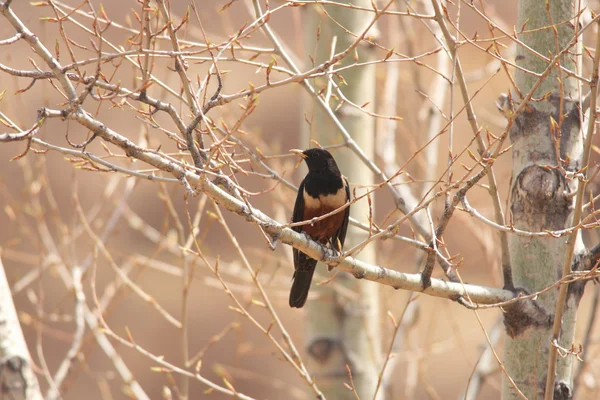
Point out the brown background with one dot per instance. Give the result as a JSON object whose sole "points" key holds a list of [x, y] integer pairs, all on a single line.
{"points": [[447, 340]]}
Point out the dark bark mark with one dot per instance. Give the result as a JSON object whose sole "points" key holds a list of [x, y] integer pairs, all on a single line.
{"points": [[562, 391], [540, 199], [12, 380], [321, 349], [541, 193], [570, 129], [533, 121], [525, 314], [581, 262]]}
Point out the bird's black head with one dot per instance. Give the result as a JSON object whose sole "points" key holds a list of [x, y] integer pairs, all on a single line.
{"points": [[318, 159]]}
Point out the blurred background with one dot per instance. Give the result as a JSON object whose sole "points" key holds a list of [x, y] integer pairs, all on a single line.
{"points": [[40, 228]]}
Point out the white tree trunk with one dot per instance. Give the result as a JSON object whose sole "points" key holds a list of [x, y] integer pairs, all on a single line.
{"points": [[17, 380], [541, 198], [343, 327]]}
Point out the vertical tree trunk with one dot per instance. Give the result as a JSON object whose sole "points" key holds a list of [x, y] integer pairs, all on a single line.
{"points": [[541, 194], [343, 327], [17, 379]]}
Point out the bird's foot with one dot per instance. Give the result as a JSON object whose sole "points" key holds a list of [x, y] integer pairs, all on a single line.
{"points": [[335, 253]]}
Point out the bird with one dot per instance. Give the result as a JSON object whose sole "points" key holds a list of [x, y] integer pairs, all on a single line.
{"points": [[323, 190]]}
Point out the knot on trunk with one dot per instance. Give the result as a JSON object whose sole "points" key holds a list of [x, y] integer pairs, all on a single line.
{"points": [[541, 199]]}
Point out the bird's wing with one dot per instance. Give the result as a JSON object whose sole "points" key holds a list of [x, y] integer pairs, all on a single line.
{"points": [[297, 216], [341, 233]]}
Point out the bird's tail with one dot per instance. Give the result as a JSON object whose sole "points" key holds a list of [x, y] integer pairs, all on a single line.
{"points": [[301, 285]]}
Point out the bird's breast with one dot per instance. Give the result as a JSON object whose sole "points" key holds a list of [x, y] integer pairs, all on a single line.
{"points": [[331, 201], [315, 207]]}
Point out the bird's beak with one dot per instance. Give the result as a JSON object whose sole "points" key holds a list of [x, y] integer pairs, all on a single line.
{"points": [[298, 153]]}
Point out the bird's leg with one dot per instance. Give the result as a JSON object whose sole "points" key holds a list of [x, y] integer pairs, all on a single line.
{"points": [[336, 246], [336, 249]]}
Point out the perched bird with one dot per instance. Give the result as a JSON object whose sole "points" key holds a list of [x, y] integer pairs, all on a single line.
{"points": [[323, 190]]}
